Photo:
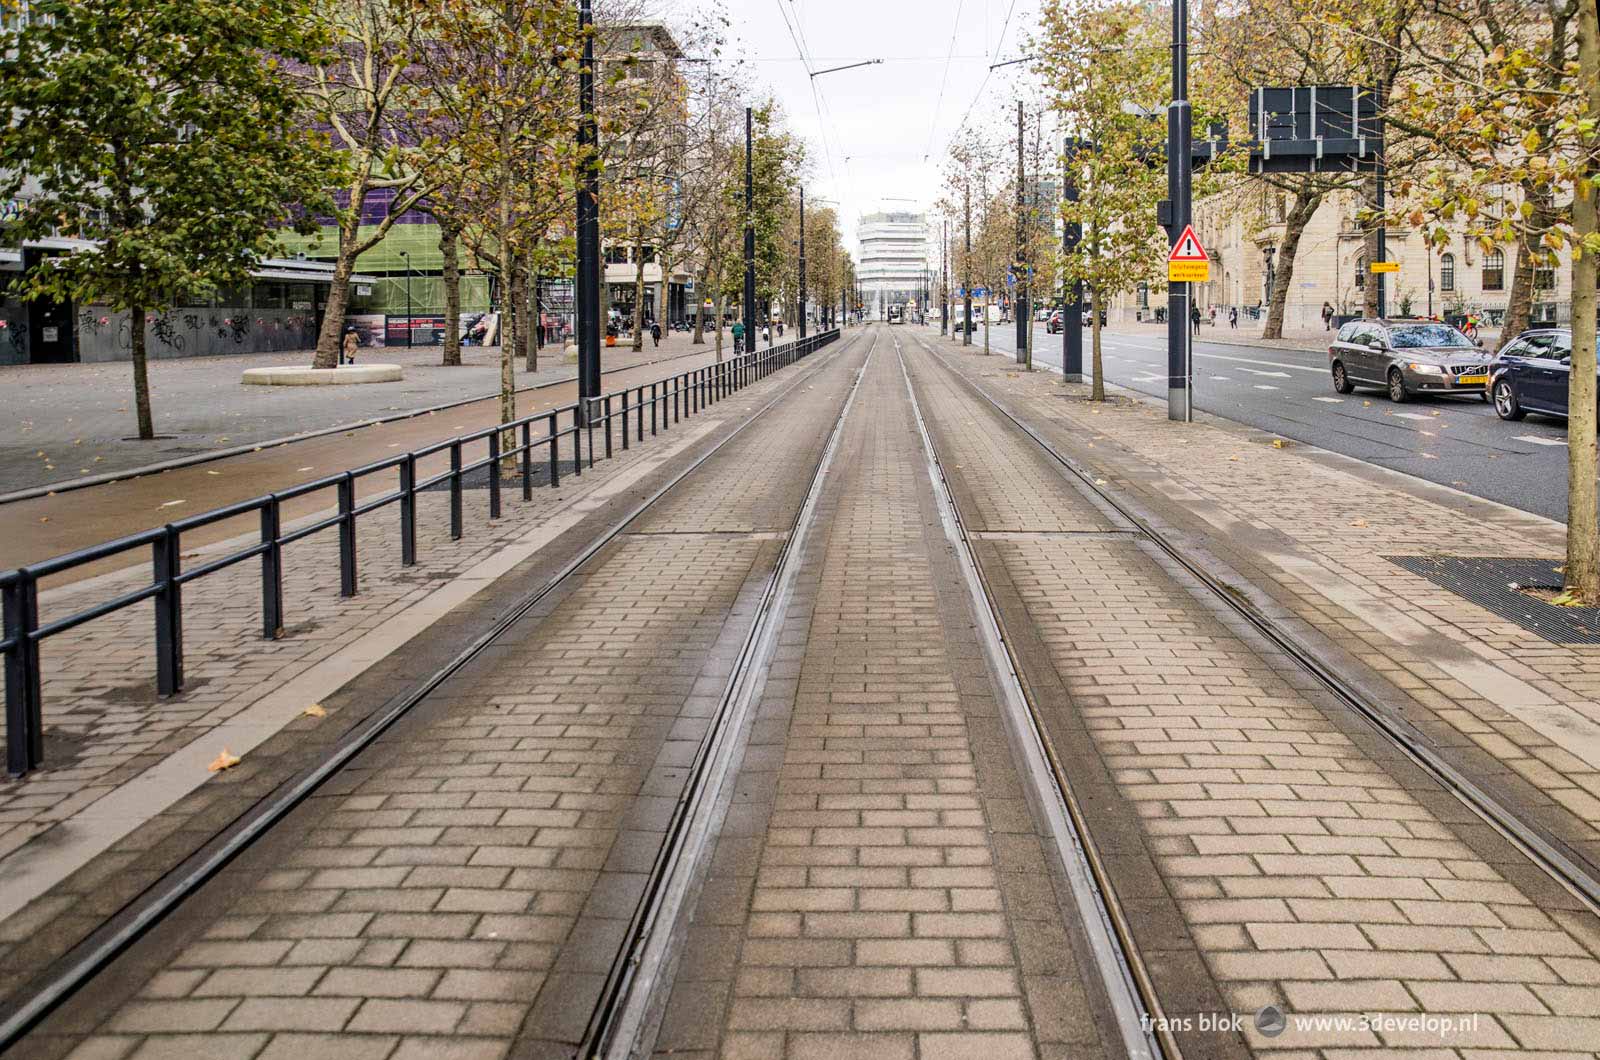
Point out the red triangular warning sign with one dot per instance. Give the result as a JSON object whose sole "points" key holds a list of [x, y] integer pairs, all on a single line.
{"points": [[1188, 247]]}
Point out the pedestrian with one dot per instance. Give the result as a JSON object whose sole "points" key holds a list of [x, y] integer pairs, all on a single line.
{"points": [[347, 348], [1327, 316], [1213, 316], [1233, 317], [1194, 319], [738, 336], [655, 332], [766, 335]]}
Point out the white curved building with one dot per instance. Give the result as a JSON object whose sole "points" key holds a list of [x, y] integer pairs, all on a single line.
{"points": [[893, 259]]}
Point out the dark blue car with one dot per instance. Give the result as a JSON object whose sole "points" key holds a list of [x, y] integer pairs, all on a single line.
{"points": [[1530, 374]]}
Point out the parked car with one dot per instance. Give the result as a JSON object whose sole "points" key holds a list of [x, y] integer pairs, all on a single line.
{"points": [[1406, 358], [1053, 325], [1531, 373], [1088, 318]]}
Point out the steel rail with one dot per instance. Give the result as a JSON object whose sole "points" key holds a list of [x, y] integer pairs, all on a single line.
{"points": [[621, 1016], [24, 1009], [1130, 989], [1571, 870]]}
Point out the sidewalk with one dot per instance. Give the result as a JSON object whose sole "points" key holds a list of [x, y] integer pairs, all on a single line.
{"points": [[60, 422], [1316, 539]]}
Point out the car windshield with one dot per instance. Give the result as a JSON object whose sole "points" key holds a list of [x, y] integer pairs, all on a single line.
{"points": [[1420, 335]]}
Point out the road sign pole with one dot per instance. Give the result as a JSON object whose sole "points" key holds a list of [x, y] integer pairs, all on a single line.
{"points": [[1072, 313], [1179, 355]]}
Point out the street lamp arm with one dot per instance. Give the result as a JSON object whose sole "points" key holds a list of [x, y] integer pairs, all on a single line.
{"points": [[847, 66]]}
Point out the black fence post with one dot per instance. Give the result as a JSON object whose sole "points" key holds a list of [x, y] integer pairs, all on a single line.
{"points": [[555, 452], [455, 490], [169, 614], [624, 420], [271, 571], [654, 405], [408, 511], [527, 460], [24, 715], [347, 535], [577, 440], [494, 475], [608, 425]]}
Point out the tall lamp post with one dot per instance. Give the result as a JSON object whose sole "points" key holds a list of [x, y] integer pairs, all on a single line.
{"points": [[1180, 404], [587, 283], [1268, 253], [802, 263], [749, 233]]}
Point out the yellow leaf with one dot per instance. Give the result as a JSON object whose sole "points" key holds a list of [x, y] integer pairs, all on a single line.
{"points": [[223, 761], [1359, 524], [1277, 443], [315, 710]]}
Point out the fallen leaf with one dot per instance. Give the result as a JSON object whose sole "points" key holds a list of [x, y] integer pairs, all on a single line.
{"points": [[315, 710], [1234, 459], [223, 761], [1277, 443], [1359, 524]]}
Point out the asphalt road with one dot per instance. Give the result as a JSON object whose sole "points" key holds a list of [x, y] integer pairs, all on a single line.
{"points": [[1453, 441]]}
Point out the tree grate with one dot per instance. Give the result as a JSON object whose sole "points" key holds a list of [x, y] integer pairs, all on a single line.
{"points": [[1489, 584]]}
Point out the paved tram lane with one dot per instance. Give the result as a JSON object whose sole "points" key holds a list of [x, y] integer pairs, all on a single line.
{"points": [[1269, 848], [462, 888], [1456, 442]]}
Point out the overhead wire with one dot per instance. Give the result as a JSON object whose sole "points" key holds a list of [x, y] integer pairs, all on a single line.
{"points": [[944, 79]]}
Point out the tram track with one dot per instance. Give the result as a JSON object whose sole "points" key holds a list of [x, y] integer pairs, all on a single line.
{"points": [[158, 903], [1564, 865]]}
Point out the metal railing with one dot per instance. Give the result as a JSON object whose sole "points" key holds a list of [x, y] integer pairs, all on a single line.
{"points": [[667, 400]]}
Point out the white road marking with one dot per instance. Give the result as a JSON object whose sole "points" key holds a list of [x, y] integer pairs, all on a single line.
{"points": [[1329, 400], [1257, 371], [1536, 440], [1412, 416], [1263, 386]]}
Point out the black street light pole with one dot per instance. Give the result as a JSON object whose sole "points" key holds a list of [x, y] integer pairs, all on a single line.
{"points": [[802, 263], [749, 234], [1179, 171], [966, 271], [944, 281], [1072, 317], [1020, 301], [587, 284]]}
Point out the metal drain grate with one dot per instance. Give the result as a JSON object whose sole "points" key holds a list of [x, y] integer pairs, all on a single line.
{"points": [[1487, 583]]}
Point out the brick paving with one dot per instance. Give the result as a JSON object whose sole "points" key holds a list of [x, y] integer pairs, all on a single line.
{"points": [[1309, 865], [461, 889], [880, 888], [111, 741], [1307, 533]]}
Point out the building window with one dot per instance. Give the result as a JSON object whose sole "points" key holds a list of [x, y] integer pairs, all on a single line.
{"points": [[1544, 279], [1494, 271], [1361, 271], [1447, 272]]}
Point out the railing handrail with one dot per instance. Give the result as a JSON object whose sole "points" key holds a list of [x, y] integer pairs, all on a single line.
{"points": [[683, 393]]}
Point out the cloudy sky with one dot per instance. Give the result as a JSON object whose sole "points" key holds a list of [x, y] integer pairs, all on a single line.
{"points": [[877, 134]]}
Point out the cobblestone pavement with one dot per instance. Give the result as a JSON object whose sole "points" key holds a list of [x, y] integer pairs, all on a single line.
{"points": [[69, 421], [117, 754], [880, 889], [1272, 849], [464, 885], [1306, 534]]}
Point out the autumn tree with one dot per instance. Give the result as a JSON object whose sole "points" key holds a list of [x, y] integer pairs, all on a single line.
{"points": [[1092, 62], [366, 89], [164, 130]]}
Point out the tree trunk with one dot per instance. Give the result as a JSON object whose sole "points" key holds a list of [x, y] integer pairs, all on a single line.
{"points": [[508, 353], [1519, 303], [519, 303], [699, 317], [638, 290], [720, 301], [1097, 391], [986, 325], [535, 317], [141, 378], [332, 333], [1583, 532], [663, 310], [1305, 204], [451, 267]]}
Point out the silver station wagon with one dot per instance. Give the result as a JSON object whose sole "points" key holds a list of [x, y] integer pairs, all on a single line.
{"points": [[1407, 357]]}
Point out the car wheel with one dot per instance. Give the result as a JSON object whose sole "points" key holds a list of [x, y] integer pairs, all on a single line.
{"points": [[1506, 405], [1341, 382], [1397, 387]]}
